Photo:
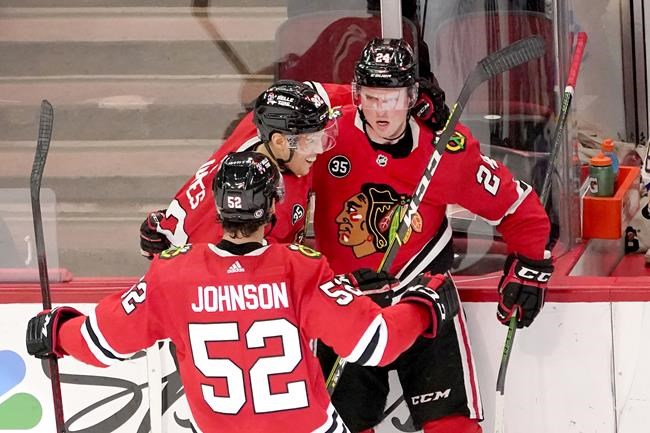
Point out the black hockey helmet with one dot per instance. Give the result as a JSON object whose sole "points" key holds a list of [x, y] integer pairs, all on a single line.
{"points": [[289, 107], [386, 63], [245, 186]]}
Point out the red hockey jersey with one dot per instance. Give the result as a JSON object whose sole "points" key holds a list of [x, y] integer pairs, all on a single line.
{"points": [[362, 193], [191, 216], [242, 325]]}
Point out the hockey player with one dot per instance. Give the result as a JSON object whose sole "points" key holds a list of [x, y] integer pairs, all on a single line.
{"points": [[242, 313], [285, 115], [292, 124], [362, 190]]}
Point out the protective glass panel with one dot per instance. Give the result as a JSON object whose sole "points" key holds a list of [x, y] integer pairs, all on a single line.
{"points": [[143, 97], [18, 255]]}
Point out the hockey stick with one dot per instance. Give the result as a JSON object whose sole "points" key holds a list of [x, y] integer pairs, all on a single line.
{"points": [[499, 402], [496, 63], [564, 113], [42, 147], [200, 10], [499, 419]]}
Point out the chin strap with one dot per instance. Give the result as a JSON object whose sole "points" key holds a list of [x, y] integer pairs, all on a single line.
{"points": [[281, 162], [366, 125]]}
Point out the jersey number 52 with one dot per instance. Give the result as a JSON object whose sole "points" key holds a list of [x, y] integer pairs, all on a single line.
{"points": [[262, 398]]}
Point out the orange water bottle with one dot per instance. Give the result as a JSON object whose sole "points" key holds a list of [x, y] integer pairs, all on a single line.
{"points": [[607, 146]]}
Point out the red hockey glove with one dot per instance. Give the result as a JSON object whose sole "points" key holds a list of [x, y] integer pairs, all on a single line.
{"points": [[378, 286], [522, 287], [430, 106], [439, 294], [152, 242], [41, 338]]}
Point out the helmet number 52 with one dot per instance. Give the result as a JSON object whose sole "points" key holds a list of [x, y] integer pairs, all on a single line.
{"points": [[234, 202]]}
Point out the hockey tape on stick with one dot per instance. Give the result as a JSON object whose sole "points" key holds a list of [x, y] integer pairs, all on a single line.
{"points": [[46, 121], [567, 97], [513, 55]]}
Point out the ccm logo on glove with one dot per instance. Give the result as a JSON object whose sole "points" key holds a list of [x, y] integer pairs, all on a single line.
{"points": [[521, 289], [532, 274]]}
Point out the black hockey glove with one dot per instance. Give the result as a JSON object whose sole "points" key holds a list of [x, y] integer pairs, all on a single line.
{"points": [[152, 242], [41, 338], [430, 106], [378, 286], [439, 294], [521, 289]]}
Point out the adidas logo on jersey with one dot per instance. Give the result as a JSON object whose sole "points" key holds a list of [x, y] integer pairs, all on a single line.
{"points": [[235, 267]]}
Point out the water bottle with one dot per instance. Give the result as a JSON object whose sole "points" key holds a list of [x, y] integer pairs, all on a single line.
{"points": [[607, 146], [601, 176]]}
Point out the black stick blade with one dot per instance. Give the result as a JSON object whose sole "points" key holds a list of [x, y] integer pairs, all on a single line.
{"points": [[42, 146], [513, 55]]}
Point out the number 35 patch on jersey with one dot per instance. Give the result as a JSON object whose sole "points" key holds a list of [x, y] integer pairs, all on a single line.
{"points": [[305, 251], [339, 166], [297, 213]]}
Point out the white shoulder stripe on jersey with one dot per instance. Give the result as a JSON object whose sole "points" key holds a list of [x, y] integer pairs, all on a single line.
{"points": [[333, 423], [318, 87], [103, 351], [522, 193], [370, 347]]}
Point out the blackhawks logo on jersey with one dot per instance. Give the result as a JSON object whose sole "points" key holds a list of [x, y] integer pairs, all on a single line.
{"points": [[305, 251], [369, 220], [456, 143], [172, 252]]}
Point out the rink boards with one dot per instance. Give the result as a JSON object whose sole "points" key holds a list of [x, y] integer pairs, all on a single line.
{"points": [[582, 366]]}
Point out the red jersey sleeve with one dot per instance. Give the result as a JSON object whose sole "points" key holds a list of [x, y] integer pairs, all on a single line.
{"points": [[120, 325], [191, 215], [486, 187], [354, 326]]}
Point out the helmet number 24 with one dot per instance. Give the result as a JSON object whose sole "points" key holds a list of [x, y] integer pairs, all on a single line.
{"points": [[382, 58]]}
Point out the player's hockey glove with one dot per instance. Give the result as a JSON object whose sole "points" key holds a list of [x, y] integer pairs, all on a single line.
{"points": [[522, 287], [41, 338], [152, 242], [430, 106], [378, 286], [439, 294]]}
